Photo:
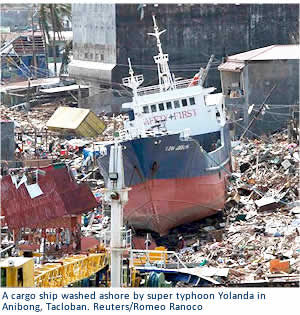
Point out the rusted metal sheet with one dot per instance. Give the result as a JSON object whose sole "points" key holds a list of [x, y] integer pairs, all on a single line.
{"points": [[61, 196], [231, 66], [67, 222]]}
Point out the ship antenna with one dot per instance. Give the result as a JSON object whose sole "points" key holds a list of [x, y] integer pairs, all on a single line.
{"points": [[131, 72], [134, 81], [164, 75]]}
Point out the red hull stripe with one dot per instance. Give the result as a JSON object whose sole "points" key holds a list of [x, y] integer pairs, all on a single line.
{"points": [[162, 204]]}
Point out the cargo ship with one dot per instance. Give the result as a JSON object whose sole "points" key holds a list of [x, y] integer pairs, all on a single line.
{"points": [[176, 149]]}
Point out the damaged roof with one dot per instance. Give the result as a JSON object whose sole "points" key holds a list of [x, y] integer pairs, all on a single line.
{"points": [[21, 44], [273, 52], [61, 196]]}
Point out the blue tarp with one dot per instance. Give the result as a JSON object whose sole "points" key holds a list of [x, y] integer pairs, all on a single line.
{"points": [[23, 68], [90, 153]]}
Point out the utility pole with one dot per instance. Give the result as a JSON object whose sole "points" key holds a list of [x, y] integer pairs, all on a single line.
{"points": [[28, 95], [33, 44], [259, 111], [79, 96]]}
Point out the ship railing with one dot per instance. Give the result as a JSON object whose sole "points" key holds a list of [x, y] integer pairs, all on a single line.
{"points": [[158, 258], [180, 84], [126, 239], [139, 78]]}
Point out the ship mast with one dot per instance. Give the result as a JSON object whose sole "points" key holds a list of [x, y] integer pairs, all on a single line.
{"points": [[133, 82], [164, 75]]}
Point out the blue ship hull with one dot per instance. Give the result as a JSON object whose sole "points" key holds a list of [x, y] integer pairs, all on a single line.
{"points": [[160, 169]]}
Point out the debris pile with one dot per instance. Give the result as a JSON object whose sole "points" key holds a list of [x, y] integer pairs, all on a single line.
{"points": [[114, 124], [257, 240], [35, 142], [28, 120], [260, 241]]}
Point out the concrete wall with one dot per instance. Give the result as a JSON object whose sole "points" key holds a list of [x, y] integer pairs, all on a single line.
{"points": [[262, 75], [257, 80], [94, 41], [194, 32], [105, 102], [94, 28]]}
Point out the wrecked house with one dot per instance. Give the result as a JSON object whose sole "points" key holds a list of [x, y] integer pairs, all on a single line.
{"points": [[39, 197], [247, 80], [23, 56]]}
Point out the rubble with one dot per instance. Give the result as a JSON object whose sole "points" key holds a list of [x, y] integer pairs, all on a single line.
{"points": [[261, 239], [35, 142]]}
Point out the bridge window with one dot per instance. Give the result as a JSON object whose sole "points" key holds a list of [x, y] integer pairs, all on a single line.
{"points": [[184, 102], [176, 104], [169, 105], [153, 108], [192, 101], [161, 106], [145, 109]]}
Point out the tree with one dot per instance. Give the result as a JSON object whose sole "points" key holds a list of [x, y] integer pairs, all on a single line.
{"points": [[52, 14]]}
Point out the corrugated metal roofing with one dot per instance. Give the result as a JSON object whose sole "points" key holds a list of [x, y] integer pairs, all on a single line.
{"points": [[274, 52], [24, 84], [61, 196], [64, 88], [92, 65], [231, 66]]}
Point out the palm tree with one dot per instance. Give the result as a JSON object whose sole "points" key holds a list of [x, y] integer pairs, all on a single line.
{"points": [[53, 14]]}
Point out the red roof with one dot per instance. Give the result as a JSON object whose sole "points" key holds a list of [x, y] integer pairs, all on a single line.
{"points": [[61, 196]]}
